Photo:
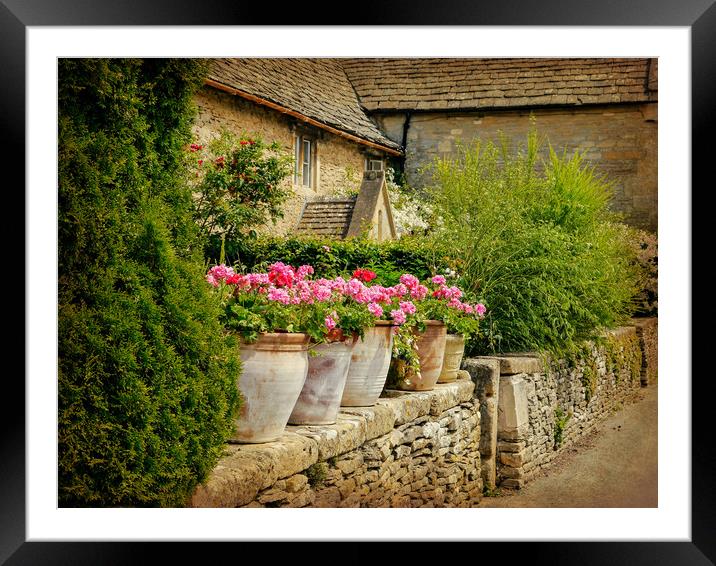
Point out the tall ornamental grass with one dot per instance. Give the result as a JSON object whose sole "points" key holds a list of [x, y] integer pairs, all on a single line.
{"points": [[537, 243]]}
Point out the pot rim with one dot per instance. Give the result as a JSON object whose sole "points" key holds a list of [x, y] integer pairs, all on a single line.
{"points": [[455, 336], [290, 340]]}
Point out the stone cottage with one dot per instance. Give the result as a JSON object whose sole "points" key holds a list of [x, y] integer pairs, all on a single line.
{"points": [[311, 109], [344, 116]]}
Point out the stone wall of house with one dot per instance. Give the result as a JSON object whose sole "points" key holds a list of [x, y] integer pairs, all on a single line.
{"points": [[412, 449], [340, 163], [543, 406], [620, 140]]}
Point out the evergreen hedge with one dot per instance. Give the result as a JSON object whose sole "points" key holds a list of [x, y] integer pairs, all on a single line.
{"points": [[331, 257], [146, 375]]}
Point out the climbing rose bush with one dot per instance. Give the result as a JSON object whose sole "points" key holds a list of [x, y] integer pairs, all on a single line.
{"points": [[238, 184]]}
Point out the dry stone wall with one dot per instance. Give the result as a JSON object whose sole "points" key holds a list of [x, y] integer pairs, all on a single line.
{"points": [[646, 331], [544, 405], [412, 449]]}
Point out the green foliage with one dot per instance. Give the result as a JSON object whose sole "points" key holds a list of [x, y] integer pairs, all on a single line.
{"points": [[239, 184], [330, 258], [146, 392], [404, 362], [488, 491], [624, 357], [590, 377], [645, 248], [536, 241], [560, 423], [317, 474]]}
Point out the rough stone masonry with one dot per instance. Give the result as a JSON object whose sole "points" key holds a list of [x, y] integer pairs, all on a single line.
{"points": [[412, 449], [504, 419], [545, 405]]}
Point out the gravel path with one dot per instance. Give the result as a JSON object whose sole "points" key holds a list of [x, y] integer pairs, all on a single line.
{"points": [[615, 465]]}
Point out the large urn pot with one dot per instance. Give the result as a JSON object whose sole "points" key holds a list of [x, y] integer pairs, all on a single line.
{"points": [[454, 352], [274, 370], [320, 398], [431, 350], [368, 370]]}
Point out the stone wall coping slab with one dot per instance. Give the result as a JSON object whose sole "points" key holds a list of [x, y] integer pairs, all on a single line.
{"points": [[517, 363]]}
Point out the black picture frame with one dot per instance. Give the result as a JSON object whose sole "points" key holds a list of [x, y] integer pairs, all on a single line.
{"points": [[699, 15]]}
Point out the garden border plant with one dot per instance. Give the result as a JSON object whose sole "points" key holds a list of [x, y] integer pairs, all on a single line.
{"points": [[538, 242], [146, 392]]}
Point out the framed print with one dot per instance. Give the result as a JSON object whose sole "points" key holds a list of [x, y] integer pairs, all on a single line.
{"points": [[34, 35]]}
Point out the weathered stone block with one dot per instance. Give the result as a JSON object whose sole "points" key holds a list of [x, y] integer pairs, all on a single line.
{"points": [[328, 497], [430, 430], [513, 459], [296, 483], [248, 468], [351, 464], [513, 416], [512, 483], [400, 501], [346, 487], [379, 419], [272, 495], [303, 499], [402, 451], [448, 395], [405, 406], [515, 363]]}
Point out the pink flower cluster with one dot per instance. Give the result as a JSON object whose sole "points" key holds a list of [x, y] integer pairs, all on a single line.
{"points": [[219, 273], [453, 295], [289, 286], [292, 286]]}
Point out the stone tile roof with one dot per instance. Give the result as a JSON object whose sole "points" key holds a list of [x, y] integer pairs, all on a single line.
{"points": [[316, 88], [326, 216], [454, 84]]}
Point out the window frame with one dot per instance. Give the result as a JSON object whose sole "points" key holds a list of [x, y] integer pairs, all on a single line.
{"points": [[369, 160], [303, 140]]}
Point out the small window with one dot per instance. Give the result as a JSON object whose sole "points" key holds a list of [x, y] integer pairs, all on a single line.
{"points": [[305, 161], [373, 164]]}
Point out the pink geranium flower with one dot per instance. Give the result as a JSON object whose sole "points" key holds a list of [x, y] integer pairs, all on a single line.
{"points": [[398, 316], [375, 309], [407, 307], [304, 271], [419, 292], [279, 295], [410, 281]]}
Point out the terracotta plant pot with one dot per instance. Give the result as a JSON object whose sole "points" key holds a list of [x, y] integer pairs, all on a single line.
{"points": [[273, 374], [431, 350], [369, 366], [454, 351], [320, 397]]}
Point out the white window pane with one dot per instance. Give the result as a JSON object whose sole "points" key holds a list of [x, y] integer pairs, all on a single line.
{"points": [[306, 163]]}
